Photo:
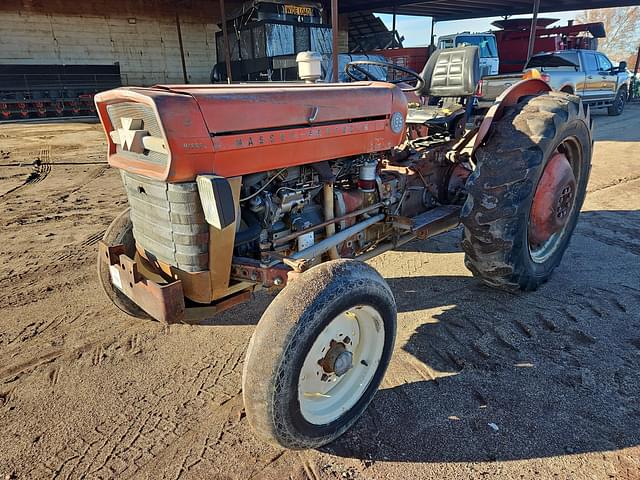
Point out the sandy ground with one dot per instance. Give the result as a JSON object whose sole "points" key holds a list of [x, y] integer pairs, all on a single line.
{"points": [[483, 384]]}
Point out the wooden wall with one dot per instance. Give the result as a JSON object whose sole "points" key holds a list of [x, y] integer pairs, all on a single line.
{"points": [[104, 32], [343, 34]]}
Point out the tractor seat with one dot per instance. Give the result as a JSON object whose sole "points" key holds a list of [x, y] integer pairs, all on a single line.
{"points": [[452, 75]]}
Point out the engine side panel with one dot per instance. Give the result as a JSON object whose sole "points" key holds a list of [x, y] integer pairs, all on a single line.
{"points": [[246, 153]]}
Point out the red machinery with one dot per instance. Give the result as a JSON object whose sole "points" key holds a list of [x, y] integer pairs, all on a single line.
{"points": [[513, 39], [235, 188], [412, 58]]}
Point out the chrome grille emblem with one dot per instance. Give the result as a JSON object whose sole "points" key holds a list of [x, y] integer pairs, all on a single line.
{"points": [[133, 138]]}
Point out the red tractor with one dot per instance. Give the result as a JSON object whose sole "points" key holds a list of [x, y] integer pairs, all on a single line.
{"points": [[234, 188]]}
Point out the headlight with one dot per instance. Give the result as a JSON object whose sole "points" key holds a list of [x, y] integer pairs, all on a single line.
{"points": [[397, 122], [217, 200]]}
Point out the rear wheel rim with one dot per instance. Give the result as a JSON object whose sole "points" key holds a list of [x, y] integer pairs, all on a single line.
{"points": [[564, 203], [341, 364]]}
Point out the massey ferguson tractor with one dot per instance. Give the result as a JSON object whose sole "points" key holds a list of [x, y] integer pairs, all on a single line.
{"points": [[235, 188]]}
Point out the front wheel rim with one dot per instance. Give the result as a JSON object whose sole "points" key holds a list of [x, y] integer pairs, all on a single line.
{"points": [[341, 364]]}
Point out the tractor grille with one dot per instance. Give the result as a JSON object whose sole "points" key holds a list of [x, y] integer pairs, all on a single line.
{"points": [[117, 111], [168, 222]]}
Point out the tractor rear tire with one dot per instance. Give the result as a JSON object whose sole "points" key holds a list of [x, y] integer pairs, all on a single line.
{"points": [[318, 354], [497, 214], [120, 232]]}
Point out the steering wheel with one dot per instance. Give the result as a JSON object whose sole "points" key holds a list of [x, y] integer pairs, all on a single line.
{"points": [[357, 66]]}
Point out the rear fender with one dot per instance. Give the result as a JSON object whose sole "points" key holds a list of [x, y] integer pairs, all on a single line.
{"points": [[511, 96]]}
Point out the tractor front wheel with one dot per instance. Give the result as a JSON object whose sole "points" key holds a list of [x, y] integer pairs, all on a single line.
{"points": [[525, 195], [120, 232], [319, 354]]}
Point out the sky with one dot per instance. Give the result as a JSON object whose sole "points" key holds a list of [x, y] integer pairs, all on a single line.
{"points": [[416, 30]]}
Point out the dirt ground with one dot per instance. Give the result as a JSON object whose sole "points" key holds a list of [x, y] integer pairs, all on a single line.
{"points": [[483, 384]]}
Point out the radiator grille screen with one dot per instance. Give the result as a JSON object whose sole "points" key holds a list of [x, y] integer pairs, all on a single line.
{"points": [[168, 221]]}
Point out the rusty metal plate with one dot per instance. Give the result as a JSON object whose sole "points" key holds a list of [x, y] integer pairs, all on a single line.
{"points": [[163, 302]]}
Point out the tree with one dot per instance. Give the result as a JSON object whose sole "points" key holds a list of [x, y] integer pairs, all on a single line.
{"points": [[631, 60], [622, 25]]}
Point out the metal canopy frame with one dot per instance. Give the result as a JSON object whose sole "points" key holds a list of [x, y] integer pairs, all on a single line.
{"points": [[444, 10]]}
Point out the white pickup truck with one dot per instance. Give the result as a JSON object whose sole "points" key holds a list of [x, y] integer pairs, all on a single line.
{"points": [[585, 73], [486, 43]]}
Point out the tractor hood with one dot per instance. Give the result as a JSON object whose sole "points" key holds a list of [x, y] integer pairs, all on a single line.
{"points": [[174, 132]]}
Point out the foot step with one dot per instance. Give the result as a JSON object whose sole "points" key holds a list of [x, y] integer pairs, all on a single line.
{"points": [[435, 221]]}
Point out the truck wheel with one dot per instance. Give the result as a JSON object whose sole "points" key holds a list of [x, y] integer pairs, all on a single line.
{"points": [[319, 354], [618, 104], [119, 232], [527, 190]]}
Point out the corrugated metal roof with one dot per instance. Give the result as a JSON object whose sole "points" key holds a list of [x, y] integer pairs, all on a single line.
{"points": [[368, 32]]}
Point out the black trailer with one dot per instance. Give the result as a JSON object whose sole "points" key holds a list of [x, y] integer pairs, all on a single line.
{"points": [[264, 38], [41, 91]]}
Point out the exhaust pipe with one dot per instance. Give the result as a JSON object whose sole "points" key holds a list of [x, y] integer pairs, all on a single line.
{"points": [[329, 215]]}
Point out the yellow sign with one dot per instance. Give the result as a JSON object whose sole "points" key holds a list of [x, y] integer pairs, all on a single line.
{"points": [[300, 11]]}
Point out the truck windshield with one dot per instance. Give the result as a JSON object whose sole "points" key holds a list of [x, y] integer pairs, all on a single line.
{"points": [[564, 60], [487, 44]]}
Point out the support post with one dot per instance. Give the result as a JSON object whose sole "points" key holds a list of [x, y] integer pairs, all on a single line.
{"points": [[184, 64], [334, 39], [635, 79], [393, 34], [433, 33], [225, 38], [534, 25]]}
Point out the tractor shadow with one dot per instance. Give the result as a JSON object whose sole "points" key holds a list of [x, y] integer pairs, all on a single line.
{"points": [[448, 242], [485, 375], [242, 314]]}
